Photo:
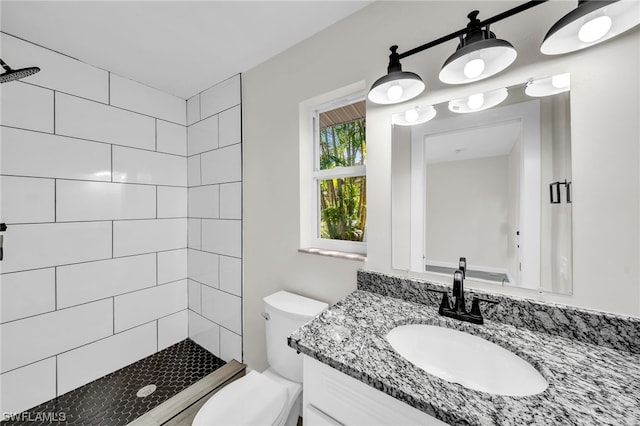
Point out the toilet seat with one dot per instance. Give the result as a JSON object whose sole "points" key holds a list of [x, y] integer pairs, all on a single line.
{"points": [[254, 399]]}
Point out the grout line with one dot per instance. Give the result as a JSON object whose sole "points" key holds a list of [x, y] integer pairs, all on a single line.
{"points": [[57, 381], [113, 314], [54, 112], [55, 200], [111, 165], [55, 288], [156, 136], [108, 87]]}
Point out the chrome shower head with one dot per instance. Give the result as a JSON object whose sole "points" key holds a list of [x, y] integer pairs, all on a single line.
{"points": [[11, 74]]}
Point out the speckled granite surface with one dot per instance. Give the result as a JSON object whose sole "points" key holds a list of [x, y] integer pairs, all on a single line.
{"points": [[613, 331], [588, 384]]}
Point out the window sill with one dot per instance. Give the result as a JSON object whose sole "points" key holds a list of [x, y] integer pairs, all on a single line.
{"points": [[335, 253]]}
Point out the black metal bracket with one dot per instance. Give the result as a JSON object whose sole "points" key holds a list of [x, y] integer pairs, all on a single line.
{"points": [[462, 32], [3, 227]]}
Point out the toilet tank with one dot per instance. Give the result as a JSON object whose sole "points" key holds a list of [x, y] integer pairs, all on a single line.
{"points": [[286, 312]]}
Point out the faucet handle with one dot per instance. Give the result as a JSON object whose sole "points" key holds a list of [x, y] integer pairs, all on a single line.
{"points": [[475, 304], [444, 303]]}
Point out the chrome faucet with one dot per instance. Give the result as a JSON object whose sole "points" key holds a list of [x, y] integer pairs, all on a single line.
{"points": [[459, 310]]}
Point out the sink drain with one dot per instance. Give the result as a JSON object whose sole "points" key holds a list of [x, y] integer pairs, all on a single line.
{"points": [[146, 391]]}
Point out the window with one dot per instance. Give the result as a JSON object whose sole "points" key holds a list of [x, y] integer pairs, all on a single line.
{"points": [[338, 178]]}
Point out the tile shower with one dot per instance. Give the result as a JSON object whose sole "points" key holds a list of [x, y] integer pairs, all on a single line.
{"points": [[123, 208]]}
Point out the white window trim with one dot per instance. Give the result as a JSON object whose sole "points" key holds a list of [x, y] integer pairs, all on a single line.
{"points": [[310, 175]]}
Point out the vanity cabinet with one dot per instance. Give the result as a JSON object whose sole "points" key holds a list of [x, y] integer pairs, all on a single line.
{"points": [[333, 398]]}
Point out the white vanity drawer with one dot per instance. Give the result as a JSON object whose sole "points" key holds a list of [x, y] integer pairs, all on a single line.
{"points": [[351, 402]]}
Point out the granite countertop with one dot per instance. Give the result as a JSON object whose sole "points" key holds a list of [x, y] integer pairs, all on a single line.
{"points": [[588, 384]]}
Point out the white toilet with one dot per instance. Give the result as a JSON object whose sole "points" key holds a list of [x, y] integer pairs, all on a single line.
{"points": [[273, 397]]}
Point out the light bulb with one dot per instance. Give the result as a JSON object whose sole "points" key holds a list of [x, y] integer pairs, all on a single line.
{"points": [[411, 116], [474, 68], [475, 101], [594, 29], [394, 92], [561, 81]]}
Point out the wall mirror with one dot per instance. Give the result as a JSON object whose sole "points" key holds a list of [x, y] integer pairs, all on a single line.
{"points": [[492, 185]]}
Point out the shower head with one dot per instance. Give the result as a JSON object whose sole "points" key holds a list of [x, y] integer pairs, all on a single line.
{"points": [[11, 74]]}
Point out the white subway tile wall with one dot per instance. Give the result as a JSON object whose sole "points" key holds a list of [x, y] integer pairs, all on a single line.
{"points": [[230, 345], [133, 309], [193, 109], [92, 361], [34, 154], [204, 201], [195, 293], [214, 170], [202, 136], [229, 129], [28, 386], [147, 167], [84, 282], [20, 97], [133, 96], [172, 202], [173, 329], [220, 97], [222, 308], [171, 138], [28, 293], [27, 200], [102, 191], [78, 200], [36, 338], [203, 267], [92, 120], [172, 266], [204, 332]]}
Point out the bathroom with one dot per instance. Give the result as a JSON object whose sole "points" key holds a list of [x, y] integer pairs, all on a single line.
{"points": [[221, 308]]}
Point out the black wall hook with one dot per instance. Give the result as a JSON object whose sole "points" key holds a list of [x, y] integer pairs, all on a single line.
{"points": [[3, 227], [554, 192]]}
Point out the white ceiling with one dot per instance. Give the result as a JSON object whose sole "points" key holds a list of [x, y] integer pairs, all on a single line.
{"points": [[179, 47]]}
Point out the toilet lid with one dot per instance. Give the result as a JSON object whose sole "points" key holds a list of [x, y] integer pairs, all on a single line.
{"points": [[251, 400]]}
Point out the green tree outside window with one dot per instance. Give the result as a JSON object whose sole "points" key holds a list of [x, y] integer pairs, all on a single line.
{"points": [[343, 202]]}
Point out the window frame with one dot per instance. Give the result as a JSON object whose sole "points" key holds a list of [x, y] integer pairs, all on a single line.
{"points": [[317, 175]]}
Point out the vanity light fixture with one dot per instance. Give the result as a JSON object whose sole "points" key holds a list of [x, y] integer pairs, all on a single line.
{"points": [[397, 86], [548, 86], [592, 22], [413, 116], [479, 101], [479, 55]]}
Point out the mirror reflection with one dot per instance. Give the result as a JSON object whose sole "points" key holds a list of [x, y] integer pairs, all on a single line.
{"points": [[492, 185]]}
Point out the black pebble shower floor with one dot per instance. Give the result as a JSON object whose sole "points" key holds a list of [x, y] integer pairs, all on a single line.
{"points": [[112, 401]]}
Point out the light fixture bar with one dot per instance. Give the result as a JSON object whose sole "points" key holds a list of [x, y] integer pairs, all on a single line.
{"points": [[488, 21]]}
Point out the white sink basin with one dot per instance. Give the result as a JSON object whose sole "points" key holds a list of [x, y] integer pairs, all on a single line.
{"points": [[462, 358]]}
